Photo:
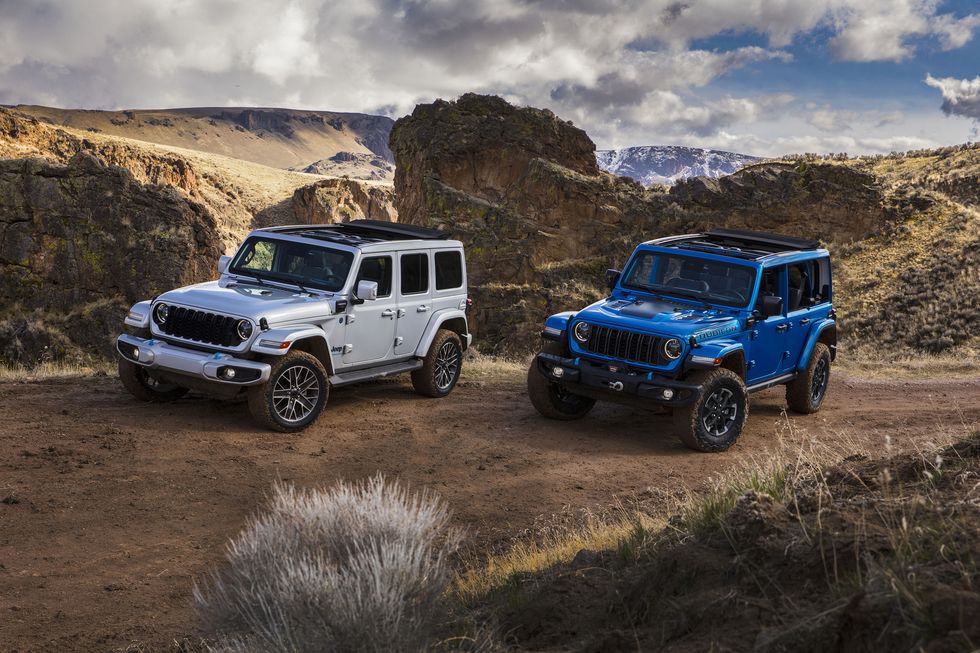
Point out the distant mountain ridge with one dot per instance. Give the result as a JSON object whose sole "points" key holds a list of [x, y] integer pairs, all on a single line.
{"points": [[289, 139], [668, 164]]}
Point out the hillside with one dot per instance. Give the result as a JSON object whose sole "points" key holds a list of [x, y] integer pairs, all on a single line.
{"points": [[668, 164], [541, 223], [351, 144], [90, 224]]}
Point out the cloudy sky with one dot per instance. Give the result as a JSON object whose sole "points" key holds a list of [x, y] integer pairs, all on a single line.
{"points": [[758, 76]]}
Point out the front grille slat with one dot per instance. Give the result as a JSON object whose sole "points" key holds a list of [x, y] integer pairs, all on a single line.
{"points": [[625, 345], [201, 326]]}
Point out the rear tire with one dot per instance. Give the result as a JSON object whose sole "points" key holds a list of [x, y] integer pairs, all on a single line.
{"points": [[551, 399], [294, 395], [715, 420], [806, 392], [144, 387], [441, 366]]}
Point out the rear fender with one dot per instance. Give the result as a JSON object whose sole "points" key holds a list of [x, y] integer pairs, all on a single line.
{"points": [[435, 323], [819, 328]]}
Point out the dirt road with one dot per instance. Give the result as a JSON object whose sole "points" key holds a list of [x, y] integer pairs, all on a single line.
{"points": [[109, 507]]}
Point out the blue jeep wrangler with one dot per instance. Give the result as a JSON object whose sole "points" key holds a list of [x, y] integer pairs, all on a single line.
{"points": [[693, 325]]}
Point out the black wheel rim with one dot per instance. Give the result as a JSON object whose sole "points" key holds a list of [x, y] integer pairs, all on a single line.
{"points": [[295, 394], [447, 365], [718, 412], [821, 374]]}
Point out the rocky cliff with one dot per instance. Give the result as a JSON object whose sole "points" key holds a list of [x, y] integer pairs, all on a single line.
{"points": [[79, 243], [522, 189]]}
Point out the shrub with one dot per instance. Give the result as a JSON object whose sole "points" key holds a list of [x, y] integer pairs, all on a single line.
{"points": [[357, 567]]}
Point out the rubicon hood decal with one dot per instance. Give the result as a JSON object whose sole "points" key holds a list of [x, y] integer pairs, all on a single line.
{"points": [[714, 332]]}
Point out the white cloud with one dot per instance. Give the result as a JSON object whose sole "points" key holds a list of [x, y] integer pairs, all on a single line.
{"points": [[961, 97], [625, 70]]}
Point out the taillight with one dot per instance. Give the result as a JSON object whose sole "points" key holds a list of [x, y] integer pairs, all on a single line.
{"points": [[469, 304]]}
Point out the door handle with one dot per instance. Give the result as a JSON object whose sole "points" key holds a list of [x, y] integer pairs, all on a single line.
{"points": [[782, 328], [422, 309], [804, 321], [387, 313]]}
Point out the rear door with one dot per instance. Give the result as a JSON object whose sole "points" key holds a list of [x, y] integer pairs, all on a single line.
{"points": [[414, 301], [370, 331], [770, 346]]}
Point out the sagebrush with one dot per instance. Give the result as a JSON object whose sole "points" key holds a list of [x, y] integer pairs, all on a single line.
{"points": [[357, 567]]}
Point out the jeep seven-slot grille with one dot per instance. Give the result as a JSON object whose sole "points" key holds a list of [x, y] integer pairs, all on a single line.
{"points": [[624, 345], [209, 328]]}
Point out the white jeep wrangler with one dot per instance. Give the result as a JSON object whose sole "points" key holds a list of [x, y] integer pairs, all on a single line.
{"points": [[299, 309]]}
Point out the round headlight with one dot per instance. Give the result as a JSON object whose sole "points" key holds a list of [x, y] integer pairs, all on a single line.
{"points": [[160, 313], [244, 329], [582, 331], [673, 348]]}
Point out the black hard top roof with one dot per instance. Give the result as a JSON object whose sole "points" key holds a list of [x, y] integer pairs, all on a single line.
{"points": [[739, 243], [361, 232]]}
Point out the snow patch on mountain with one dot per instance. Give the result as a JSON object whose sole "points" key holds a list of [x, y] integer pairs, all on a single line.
{"points": [[668, 164]]}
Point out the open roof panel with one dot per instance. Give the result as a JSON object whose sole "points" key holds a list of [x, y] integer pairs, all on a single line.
{"points": [[361, 232], [738, 243]]}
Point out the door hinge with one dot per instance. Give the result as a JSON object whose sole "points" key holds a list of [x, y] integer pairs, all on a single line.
{"points": [[399, 340], [401, 312], [753, 334], [348, 349], [350, 319]]}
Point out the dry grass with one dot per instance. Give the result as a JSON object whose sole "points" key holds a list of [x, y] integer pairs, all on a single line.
{"points": [[868, 363], [55, 370]]}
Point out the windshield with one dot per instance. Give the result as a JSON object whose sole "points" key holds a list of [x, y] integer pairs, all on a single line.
{"points": [[717, 282], [268, 259]]}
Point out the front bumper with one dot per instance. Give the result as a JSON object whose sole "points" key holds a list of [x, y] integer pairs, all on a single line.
{"points": [[154, 354], [583, 377]]}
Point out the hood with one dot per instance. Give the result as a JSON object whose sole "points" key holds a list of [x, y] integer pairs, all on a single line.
{"points": [[660, 317], [251, 300]]}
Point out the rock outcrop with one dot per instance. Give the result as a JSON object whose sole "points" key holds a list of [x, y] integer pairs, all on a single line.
{"points": [[342, 200], [79, 243]]}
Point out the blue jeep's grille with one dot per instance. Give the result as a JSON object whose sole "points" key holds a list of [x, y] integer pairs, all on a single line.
{"points": [[624, 345], [209, 328]]}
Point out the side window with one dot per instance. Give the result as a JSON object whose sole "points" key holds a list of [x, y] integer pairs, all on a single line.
{"points": [[415, 273], [772, 284], [449, 270], [376, 268], [804, 285]]}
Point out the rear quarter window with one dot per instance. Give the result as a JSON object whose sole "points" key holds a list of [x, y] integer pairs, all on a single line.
{"points": [[449, 270]]}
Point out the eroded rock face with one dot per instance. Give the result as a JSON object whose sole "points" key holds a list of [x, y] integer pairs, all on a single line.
{"points": [[343, 200], [521, 188], [79, 243]]}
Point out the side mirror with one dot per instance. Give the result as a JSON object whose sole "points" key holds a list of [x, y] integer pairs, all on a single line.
{"points": [[223, 264], [771, 306], [366, 290], [612, 278]]}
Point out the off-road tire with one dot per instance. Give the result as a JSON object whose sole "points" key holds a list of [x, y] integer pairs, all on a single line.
{"points": [[267, 402], [721, 390], [441, 366], [142, 386], [802, 395], [548, 397]]}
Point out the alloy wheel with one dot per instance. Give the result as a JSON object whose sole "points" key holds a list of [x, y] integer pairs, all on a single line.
{"points": [[818, 386], [718, 412], [295, 394], [447, 365]]}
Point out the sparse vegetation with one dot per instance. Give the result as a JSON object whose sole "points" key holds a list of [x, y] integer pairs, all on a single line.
{"points": [[358, 567]]}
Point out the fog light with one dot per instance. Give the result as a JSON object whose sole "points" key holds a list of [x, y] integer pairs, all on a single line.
{"points": [[668, 393], [136, 353], [229, 373], [558, 372]]}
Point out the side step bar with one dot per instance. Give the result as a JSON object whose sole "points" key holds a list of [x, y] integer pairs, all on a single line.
{"points": [[372, 373], [771, 382]]}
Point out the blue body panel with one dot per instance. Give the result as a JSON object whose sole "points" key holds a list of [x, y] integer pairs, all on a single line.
{"points": [[707, 331]]}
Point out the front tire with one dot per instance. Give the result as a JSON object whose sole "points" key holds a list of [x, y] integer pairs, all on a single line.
{"points": [[806, 392], [294, 395], [144, 387], [715, 420], [551, 399], [441, 366]]}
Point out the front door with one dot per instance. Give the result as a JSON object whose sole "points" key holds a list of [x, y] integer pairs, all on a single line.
{"points": [[370, 331], [414, 301], [771, 346]]}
